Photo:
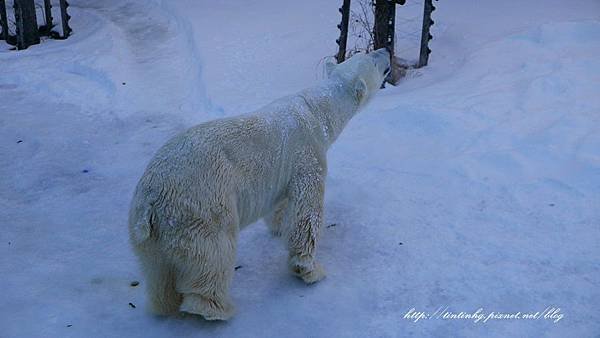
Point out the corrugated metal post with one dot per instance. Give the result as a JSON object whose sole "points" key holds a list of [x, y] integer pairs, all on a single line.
{"points": [[3, 20], [425, 33], [26, 24], [65, 17], [343, 27]]}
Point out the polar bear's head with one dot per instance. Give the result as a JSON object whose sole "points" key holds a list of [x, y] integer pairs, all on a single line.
{"points": [[365, 73]]}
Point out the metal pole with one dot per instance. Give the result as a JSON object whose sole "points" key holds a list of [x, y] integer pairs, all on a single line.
{"points": [[343, 27], [3, 20], [26, 24], [48, 14]]}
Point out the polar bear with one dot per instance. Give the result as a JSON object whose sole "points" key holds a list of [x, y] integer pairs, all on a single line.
{"points": [[210, 181]]}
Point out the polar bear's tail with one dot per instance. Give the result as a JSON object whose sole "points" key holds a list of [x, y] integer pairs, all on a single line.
{"points": [[140, 223]]}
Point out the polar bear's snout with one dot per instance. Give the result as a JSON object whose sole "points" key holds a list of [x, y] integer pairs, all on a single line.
{"points": [[382, 60]]}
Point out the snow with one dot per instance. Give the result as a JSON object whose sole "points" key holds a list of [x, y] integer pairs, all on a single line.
{"points": [[485, 166]]}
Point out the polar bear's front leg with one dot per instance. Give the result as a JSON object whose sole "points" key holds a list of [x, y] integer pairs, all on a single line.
{"points": [[304, 214]]}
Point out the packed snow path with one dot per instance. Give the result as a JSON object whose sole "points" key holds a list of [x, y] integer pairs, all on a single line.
{"points": [[473, 184]]}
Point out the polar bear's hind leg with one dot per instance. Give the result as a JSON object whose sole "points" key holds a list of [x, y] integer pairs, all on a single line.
{"points": [[275, 219], [160, 280], [205, 275]]}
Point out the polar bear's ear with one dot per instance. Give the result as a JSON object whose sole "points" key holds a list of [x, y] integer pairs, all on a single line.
{"points": [[360, 90], [329, 66]]}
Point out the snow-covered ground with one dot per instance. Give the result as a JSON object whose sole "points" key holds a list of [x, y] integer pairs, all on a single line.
{"points": [[473, 184]]}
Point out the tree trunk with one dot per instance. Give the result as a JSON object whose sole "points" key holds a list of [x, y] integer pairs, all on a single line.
{"points": [[382, 24]]}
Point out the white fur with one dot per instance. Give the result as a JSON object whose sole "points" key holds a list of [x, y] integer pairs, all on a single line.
{"points": [[207, 183]]}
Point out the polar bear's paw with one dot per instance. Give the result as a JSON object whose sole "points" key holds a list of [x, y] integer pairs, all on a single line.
{"points": [[313, 276], [208, 308], [309, 273]]}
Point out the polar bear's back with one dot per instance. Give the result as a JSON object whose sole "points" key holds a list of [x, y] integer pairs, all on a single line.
{"points": [[247, 158]]}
